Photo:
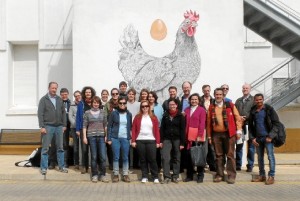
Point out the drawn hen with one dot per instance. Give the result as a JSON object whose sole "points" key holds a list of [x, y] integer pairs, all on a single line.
{"points": [[141, 70]]}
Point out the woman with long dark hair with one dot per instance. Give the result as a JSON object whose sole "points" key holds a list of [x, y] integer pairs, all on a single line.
{"points": [[146, 138]]}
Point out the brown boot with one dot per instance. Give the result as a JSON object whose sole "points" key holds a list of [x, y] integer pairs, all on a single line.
{"points": [[270, 181], [259, 179], [115, 179], [126, 179]]}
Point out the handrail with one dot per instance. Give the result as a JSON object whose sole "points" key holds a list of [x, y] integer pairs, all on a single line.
{"points": [[283, 9], [265, 76]]}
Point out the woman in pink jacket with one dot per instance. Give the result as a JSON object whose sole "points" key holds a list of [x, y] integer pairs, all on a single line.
{"points": [[195, 133]]}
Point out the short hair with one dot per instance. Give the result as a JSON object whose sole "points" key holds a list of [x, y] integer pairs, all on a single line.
{"points": [[219, 89], [50, 83], [86, 88], [172, 87], [77, 91], [188, 83], [131, 90], [259, 94], [122, 98], [122, 83], [111, 91], [96, 99], [224, 85], [104, 90], [153, 93], [204, 86], [64, 90], [176, 101], [197, 95]]}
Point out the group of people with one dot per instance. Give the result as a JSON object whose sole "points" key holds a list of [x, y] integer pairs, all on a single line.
{"points": [[161, 136]]}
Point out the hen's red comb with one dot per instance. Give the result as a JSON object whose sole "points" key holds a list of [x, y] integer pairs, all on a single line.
{"points": [[191, 15]]}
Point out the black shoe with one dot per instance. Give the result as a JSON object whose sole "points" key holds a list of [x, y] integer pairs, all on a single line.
{"points": [[51, 166], [66, 165], [212, 169], [188, 179], [110, 167], [249, 170], [200, 180], [238, 168]]}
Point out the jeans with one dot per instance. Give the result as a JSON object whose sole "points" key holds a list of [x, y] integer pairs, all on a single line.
{"points": [[224, 146], [171, 147], [98, 151], [260, 155], [147, 153], [250, 155], [57, 132], [84, 153], [239, 155], [75, 146], [124, 144]]}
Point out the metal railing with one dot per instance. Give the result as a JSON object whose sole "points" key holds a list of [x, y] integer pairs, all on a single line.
{"points": [[283, 9], [277, 82]]}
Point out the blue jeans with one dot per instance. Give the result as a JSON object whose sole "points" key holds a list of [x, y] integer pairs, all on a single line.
{"points": [[57, 132], [124, 144], [260, 153], [98, 151], [250, 155], [75, 146]]}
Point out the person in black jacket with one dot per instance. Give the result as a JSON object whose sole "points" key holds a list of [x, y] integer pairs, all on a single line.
{"points": [[263, 127], [172, 140]]}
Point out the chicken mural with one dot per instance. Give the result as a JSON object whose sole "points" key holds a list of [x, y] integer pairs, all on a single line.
{"points": [[142, 70]]}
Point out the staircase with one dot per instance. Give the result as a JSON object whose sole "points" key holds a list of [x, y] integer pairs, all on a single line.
{"points": [[275, 22], [280, 85]]}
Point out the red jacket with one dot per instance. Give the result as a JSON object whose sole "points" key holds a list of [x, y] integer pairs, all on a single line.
{"points": [[136, 127]]}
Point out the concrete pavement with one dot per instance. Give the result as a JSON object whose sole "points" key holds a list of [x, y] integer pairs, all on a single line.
{"points": [[287, 169]]}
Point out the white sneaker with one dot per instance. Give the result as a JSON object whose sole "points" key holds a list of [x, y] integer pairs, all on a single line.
{"points": [[156, 181], [144, 180]]}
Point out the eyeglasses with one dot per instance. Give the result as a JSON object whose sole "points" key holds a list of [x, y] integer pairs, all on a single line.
{"points": [[122, 103], [114, 94], [144, 106], [225, 88]]}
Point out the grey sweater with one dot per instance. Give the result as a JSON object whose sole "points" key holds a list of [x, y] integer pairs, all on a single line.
{"points": [[94, 125], [48, 115]]}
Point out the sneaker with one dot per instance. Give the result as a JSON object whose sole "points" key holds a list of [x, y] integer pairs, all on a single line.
{"points": [[43, 171], [165, 181], [144, 180], [175, 180], [230, 180], [259, 179], [63, 170], [156, 181], [126, 178], [103, 179], [270, 180], [95, 179], [218, 179], [115, 179]]}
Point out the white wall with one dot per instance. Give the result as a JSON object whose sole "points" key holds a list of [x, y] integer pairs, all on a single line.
{"points": [[98, 26]]}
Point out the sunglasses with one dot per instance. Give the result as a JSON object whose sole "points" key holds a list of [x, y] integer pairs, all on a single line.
{"points": [[122, 103], [144, 106], [115, 94], [225, 88]]}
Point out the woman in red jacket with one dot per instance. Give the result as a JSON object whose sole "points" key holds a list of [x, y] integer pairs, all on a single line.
{"points": [[195, 124], [146, 138]]}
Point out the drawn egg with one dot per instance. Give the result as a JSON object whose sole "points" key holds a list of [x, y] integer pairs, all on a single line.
{"points": [[158, 30]]}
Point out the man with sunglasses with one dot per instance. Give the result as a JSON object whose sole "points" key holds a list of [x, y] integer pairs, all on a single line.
{"points": [[225, 88]]}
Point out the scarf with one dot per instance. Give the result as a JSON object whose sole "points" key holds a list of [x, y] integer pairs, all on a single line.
{"points": [[88, 101], [121, 110], [173, 113], [214, 116]]}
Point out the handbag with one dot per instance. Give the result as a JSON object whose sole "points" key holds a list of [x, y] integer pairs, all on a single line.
{"points": [[199, 153]]}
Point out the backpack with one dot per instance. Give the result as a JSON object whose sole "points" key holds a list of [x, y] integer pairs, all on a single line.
{"points": [[34, 159], [279, 140]]}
